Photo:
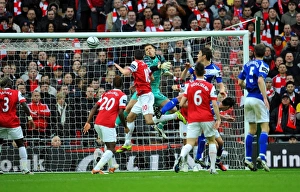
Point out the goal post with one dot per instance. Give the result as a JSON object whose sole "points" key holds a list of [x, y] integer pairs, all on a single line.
{"points": [[150, 152]]}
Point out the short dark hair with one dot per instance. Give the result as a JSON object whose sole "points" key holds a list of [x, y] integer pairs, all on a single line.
{"points": [[139, 54], [207, 52], [228, 101], [199, 69], [289, 82], [259, 50], [118, 82]]}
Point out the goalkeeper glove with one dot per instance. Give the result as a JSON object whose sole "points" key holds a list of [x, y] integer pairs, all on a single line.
{"points": [[165, 66]]}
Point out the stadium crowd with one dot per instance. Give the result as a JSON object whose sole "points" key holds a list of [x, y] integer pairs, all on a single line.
{"points": [[62, 86]]}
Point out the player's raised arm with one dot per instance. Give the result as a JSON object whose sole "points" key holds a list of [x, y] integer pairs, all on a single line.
{"points": [[186, 69], [124, 71]]}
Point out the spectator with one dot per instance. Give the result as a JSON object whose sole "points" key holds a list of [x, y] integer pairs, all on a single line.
{"points": [[95, 84], [140, 26], [289, 17], [69, 81], [122, 20], [167, 25], [294, 48], [131, 23], [290, 90], [293, 139], [292, 68], [55, 142], [46, 98], [287, 34], [32, 82], [98, 67], [296, 26], [49, 18], [264, 11], [51, 90], [22, 88], [279, 80], [288, 78], [113, 16], [178, 60], [156, 27], [57, 77], [146, 16], [171, 9], [273, 26], [274, 98], [217, 24], [62, 118], [247, 15], [82, 73], [237, 9], [107, 81], [217, 7], [101, 90], [277, 45], [40, 114], [283, 119], [75, 68], [69, 22], [281, 7], [31, 65], [269, 57], [23, 15], [274, 71]]}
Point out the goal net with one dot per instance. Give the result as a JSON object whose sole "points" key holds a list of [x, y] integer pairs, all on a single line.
{"points": [[61, 69]]}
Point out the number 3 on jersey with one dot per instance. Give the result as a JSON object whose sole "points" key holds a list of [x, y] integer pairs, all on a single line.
{"points": [[5, 107], [197, 98]]}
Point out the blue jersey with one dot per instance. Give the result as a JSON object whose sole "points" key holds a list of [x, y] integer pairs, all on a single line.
{"points": [[212, 72], [250, 73]]}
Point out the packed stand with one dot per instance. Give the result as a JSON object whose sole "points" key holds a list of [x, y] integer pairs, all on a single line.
{"points": [[62, 86]]}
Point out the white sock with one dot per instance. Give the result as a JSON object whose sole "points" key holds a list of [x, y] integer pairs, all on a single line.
{"points": [[185, 150], [195, 149], [212, 150], [164, 118], [104, 159], [23, 158], [128, 136]]}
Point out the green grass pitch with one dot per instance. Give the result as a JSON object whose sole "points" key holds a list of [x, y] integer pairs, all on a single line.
{"points": [[280, 180]]}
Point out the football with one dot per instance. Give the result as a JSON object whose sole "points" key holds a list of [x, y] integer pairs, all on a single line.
{"points": [[93, 42]]}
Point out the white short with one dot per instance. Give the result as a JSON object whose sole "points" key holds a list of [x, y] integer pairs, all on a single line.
{"points": [[11, 133], [106, 134], [144, 104], [195, 129], [182, 130], [217, 134], [256, 111]]}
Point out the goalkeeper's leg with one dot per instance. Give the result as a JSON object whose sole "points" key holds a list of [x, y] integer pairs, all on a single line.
{"points": [[128, 108]]}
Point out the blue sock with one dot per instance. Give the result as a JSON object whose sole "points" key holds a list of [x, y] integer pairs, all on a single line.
{"points": [[249, 148], [201, 146], [263, 143], [170, 105]]}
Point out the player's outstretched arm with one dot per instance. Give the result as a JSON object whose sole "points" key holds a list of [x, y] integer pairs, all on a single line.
{"points": [[186, 69], [87, 125], [124, 71], [27, 112]]}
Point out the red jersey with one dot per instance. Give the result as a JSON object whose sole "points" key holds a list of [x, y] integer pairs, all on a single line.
{"points": [[9, 100], [40, 114], [141, 74], [199, 94], [110, 103]]}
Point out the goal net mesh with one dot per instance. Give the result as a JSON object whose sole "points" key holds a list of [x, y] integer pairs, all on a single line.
{"points": [[78, 71]]}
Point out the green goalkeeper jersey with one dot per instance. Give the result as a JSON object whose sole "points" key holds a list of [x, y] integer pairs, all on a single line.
{"points": [[150, 61]]}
